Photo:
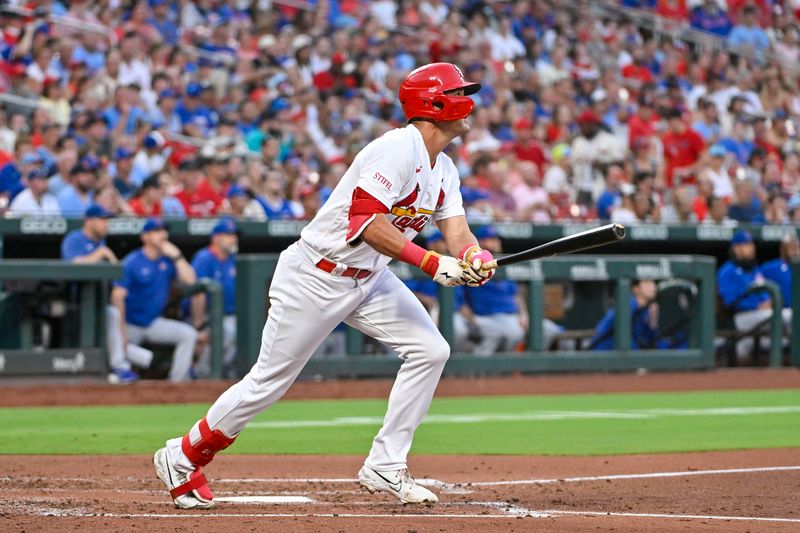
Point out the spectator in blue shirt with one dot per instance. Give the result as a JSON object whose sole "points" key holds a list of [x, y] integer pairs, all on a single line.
{"points": [[163, 22], [124, 117], [746, 207], [780, 270], [11, 173], [123, 173], [644, 320], [709, 17], [274, 200], [217, 261], [142, 294], [196, 119], [733, 279], [738, 143], [76, 197], [748, 32]]}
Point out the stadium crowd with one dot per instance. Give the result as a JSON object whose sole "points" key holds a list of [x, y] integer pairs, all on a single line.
{"points": [[254, 110], [191, 108]]}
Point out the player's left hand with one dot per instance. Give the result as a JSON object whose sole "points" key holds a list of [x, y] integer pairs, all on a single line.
{"points": [[475, 257]]}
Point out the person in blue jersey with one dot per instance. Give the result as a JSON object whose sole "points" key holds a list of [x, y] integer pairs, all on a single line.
{"points": [[644, 320], [88, 246], [427, 292], [779, 270], [141, 296], [500, 312], [733, 279], [273, 198], [217, 261]]}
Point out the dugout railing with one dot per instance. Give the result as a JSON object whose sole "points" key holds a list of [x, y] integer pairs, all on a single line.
{"points": [[697, 272], [72, 299]]}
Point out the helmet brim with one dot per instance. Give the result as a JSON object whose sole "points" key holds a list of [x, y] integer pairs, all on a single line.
{"points": [[468, 88]]}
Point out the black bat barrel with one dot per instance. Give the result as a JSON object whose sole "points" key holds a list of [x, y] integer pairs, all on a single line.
{"points": [[578, 242]]}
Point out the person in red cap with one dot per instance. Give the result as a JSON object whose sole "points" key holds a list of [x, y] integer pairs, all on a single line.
{"points": [[337, 273], [526, 146]]}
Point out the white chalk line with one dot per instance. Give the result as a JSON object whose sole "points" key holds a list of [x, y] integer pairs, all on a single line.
{"points": [[635, 476], [552, 512], [508, 512], [535, 416]]}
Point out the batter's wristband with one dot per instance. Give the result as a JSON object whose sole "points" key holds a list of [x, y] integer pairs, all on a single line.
{"points": [[425, 260], [467, 252]]}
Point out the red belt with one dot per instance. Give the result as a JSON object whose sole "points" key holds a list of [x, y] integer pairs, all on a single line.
{"points": [[349, 272]]}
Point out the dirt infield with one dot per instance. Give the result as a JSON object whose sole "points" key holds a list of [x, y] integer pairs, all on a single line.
{"points": [[649, 493], [752, 490]]}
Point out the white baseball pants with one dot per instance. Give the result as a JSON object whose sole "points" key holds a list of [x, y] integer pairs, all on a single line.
{"points": [[306, 304]]}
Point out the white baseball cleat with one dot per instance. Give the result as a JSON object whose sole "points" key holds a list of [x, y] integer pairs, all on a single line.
{"points": [[188, 491], [398, 483]]}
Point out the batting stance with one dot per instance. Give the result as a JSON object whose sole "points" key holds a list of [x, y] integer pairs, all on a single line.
{"points": [[337, 272]]}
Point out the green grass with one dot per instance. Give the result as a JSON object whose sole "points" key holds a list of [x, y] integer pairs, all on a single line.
{"points": [[577, 425]]}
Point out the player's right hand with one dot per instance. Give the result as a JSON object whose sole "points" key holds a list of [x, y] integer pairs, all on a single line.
{"points": [[451, 272]]}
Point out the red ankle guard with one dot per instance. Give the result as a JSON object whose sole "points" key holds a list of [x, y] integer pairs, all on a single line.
{"points": [[203, 451]]}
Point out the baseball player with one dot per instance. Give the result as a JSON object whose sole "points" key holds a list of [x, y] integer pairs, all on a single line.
{"points": [[217, 261], [337, 272]]}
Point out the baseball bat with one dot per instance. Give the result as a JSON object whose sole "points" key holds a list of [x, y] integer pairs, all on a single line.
{"points": [[584, 240]]}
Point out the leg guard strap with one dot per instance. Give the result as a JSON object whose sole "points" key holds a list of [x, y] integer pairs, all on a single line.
{"points": [[202, 452], [197, 483]]}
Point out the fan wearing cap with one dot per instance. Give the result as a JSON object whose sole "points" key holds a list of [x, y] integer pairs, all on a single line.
{"points": [[147, 202], [683, 148], [12, 173], [590, 150], [34, 198], [123, 172], [241, 204], [217, 261], [150, 158], [141, 296], [337, 272], [196, 201], [75, 197], [196, 119]]}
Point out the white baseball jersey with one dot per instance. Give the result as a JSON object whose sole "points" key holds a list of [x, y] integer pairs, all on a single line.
{"points": [[395, 169]]}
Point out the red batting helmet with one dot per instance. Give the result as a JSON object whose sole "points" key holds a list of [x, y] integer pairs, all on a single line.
{"points": [[424, 93]]}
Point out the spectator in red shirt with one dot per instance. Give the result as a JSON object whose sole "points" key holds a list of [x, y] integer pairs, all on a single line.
{"points": [[683, 148], [526, 146], [214, 186], [643, 123], [148, 202], [637, 69], [673, 10], [196, 203]]}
